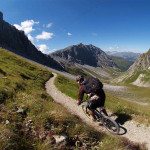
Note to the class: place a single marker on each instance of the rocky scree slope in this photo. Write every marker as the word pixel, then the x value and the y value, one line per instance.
pixel 17 42
pixel 83 54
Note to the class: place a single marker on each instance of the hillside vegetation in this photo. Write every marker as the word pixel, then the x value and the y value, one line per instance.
pixel 122 63
pixel 29 118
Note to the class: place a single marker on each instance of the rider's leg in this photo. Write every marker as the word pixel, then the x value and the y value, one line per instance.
pixel 93 115
pixel 103 110
pixel 91 109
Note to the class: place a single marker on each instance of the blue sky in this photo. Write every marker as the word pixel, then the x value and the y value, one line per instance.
pixel 122 25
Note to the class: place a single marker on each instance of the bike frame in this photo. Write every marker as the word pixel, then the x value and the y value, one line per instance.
pixel 98 113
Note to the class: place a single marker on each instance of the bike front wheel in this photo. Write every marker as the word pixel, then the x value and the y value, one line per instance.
pixel 86 111
pixel 111 125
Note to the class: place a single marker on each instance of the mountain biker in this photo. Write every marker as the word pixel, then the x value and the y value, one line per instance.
pixel 96 98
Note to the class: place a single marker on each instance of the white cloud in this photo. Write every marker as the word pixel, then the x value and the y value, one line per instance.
pixel 26 26
pixel 119 48
pixel 18 26
pixel 43 48
pixel 115 48
pixel 44 36
pixel 110 48
pixel 53 50
pixel 69 34
pixel 31 38
pixel 49 25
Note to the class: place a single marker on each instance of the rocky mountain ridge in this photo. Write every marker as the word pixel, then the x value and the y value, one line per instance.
pixel 142 63
pixel 17 42
pixel 84 54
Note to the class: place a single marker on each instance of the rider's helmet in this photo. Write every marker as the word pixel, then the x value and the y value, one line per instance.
pixel 80 78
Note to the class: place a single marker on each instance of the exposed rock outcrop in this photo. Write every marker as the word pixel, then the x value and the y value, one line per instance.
pixel 17 42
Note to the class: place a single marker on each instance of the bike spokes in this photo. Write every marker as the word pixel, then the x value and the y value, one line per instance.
pixel 111 125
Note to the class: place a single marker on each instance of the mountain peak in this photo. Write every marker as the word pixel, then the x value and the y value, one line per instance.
pixel 84 54
pixel 80 44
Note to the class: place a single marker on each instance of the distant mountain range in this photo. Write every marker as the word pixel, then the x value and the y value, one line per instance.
pixel 84 55
pixel 17 42
pixel 129 56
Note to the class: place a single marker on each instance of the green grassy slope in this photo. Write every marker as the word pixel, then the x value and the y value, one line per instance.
pixel 115 104
pixel 29 117
pixel 122 64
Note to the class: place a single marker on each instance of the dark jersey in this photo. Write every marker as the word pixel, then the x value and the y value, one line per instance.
pixel 82 91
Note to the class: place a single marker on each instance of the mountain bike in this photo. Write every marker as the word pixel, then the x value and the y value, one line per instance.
pixel 110 124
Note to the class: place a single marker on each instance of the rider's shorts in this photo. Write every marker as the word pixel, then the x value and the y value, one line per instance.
pixel 95 102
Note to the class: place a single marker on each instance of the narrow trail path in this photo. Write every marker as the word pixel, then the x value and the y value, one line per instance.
pixel 135 132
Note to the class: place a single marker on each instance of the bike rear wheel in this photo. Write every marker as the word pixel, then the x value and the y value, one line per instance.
pixel 111 125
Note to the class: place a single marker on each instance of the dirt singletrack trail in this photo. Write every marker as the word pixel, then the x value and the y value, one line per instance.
pixel 135 132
